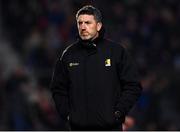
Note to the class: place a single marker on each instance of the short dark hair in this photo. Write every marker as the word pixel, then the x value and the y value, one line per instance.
pixel 90 10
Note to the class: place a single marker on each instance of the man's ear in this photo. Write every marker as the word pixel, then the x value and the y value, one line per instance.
pixel 99 25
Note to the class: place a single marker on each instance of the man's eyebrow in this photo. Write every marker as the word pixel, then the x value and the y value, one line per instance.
pixel 83 21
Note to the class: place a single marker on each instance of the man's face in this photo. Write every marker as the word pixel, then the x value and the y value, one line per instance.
pixel 88 27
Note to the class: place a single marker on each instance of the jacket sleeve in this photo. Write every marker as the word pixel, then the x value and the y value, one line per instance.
pixel 59 89
pixel 130 85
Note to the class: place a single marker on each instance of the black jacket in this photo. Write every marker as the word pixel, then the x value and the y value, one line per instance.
pixel 91 81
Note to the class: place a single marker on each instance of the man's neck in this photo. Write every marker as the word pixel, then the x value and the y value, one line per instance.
pixel 96 36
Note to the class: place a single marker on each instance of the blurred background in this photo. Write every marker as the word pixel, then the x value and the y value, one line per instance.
pixel 32 31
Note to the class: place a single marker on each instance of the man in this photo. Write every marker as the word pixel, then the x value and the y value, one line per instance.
pixel 94 83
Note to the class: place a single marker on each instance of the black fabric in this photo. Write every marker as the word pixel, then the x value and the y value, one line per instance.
pixel 91 83
pixel 117 127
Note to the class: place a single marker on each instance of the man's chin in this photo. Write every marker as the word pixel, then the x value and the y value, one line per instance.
pixel 86 39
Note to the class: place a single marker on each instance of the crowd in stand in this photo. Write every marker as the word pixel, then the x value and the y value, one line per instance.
pixel 37 29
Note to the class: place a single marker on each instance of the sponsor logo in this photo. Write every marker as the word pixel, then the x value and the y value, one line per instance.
pixel 73 64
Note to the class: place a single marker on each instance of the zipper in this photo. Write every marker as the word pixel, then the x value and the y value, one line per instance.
pixel 85 80
pixel 85 88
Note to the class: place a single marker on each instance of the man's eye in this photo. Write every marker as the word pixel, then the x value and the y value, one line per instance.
pixel 79 23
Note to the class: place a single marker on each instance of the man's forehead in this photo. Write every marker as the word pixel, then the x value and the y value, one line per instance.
pixel 85 17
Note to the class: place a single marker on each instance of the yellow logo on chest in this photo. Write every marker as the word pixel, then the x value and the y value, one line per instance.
pixel 108 62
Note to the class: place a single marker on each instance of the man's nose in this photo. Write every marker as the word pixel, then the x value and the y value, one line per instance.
pixel 83 26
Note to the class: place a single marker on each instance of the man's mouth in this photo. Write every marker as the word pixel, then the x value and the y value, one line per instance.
pixel 84 33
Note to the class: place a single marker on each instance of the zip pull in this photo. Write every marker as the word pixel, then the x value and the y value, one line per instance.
pixel 94 45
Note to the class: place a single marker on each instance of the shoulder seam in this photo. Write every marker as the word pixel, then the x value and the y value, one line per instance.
pixel 64 51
